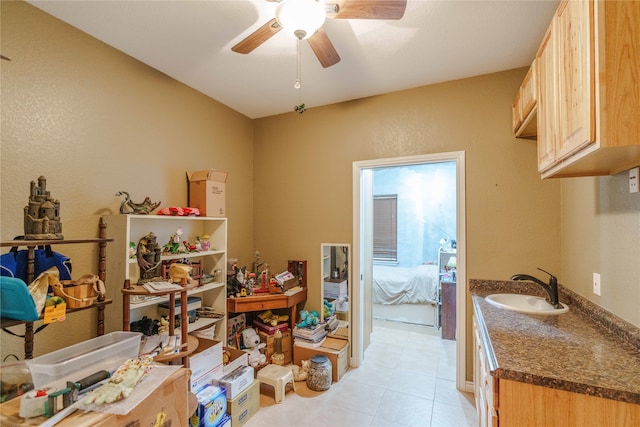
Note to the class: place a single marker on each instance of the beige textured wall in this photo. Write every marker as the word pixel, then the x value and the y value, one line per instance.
pixel 94 121
pixel 303 167
pixel 601 234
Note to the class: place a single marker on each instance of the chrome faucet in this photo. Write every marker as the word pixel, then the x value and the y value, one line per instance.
pixel 551 288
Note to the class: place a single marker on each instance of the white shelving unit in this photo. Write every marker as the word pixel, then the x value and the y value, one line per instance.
pixel 126 229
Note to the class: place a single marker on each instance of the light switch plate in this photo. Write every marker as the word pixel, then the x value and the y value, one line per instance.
pixel 633 180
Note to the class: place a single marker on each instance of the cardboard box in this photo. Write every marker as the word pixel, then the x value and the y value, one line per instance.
pixel 207 357
pixel 244 405
pixel 207 192
pixel 335 289
pixel 336 350
pixel 206 378
pixel 169 398
pixel 270 348
pixel 237 381
pixel 238 358
pixel 270 330
pixel 212 407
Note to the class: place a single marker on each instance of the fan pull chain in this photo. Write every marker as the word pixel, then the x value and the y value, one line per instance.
pixel 299 67
pixel 298 85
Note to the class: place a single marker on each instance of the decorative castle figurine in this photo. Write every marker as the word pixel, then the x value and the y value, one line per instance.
pixel 42 214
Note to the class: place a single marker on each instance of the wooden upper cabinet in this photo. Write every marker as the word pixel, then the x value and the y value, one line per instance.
pixel 524 108
pixel 575 88
pixel 547 117
pixel 588 84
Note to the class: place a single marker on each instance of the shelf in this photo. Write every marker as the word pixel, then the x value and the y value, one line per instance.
pixel 184 255
pixel 5 323
pixel 128 229
pixel 202 322
pixel 11 243
pixel 162 298
pixel 31 245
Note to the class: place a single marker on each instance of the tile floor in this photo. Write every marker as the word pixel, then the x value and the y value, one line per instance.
pixel 407 379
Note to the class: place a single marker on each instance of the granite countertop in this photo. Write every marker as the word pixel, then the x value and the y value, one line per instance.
pixel 586 350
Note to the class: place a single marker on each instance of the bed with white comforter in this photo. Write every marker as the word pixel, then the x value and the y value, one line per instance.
pixel 406 294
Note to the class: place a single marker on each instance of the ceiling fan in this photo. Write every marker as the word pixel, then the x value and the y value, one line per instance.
pixel 303 19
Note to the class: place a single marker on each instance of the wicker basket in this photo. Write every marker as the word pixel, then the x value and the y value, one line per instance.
pixel 76 296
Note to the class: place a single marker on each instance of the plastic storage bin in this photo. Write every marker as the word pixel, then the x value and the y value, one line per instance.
pixel 106 352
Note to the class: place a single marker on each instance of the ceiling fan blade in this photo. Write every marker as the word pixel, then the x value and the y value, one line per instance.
pixel 258 37
pixel 366 9
pixel 323 48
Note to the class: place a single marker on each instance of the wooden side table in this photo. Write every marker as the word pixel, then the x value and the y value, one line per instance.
pixel 448 290
pixel 261 302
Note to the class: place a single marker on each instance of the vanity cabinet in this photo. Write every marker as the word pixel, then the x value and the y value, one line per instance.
pixel 485 387
pixel 588 89
pixel 127 230
pixel 509 403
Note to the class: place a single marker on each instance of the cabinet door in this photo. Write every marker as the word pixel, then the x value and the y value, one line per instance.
pixel 529 91
pixel 546 102
pixel 576 84
pixel 524 107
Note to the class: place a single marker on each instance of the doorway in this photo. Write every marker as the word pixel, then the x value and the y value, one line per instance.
pixel 362 316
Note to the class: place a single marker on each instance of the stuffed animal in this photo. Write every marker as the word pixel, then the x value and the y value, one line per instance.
pixel 256 358
pixel 250 338
pixel 300 373
pixel 329 308
pixel 308 319
pixel 269 318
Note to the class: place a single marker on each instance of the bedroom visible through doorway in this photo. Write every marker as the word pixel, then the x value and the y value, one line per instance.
pixel 414 239
pixel 408 238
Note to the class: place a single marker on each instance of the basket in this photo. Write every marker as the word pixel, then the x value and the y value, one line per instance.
pixel 75 295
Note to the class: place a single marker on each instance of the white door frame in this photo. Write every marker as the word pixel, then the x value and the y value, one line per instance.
pixel 357 302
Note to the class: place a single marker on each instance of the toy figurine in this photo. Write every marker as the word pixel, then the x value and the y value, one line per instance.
pixel 148 256
pixel 129 207
pixel 308 319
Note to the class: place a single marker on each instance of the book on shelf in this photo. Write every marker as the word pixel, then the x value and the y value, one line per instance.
pixel 301 342
pixel 161 286
pixel 313 334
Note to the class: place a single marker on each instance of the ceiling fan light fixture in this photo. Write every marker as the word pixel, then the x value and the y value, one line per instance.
pixel 300 18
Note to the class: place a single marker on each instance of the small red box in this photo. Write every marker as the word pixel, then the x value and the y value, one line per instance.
pixel 268 329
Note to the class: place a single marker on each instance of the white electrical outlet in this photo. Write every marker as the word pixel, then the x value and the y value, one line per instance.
pixel 633 180
pixel 596 283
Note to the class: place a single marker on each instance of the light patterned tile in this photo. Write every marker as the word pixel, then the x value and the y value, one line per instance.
pixel 352 395
pixel 446 392
pixel 370 373
pixel 407 379
pixel 404 409
pixel 425 362
pixel 445 415
pixel 413 381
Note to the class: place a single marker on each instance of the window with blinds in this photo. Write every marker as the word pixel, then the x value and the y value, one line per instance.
pixel 385 228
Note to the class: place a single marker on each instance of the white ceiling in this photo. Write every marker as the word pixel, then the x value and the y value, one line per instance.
pixel 435 41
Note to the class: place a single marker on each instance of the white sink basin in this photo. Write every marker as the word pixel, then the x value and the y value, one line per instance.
pixel 525 304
